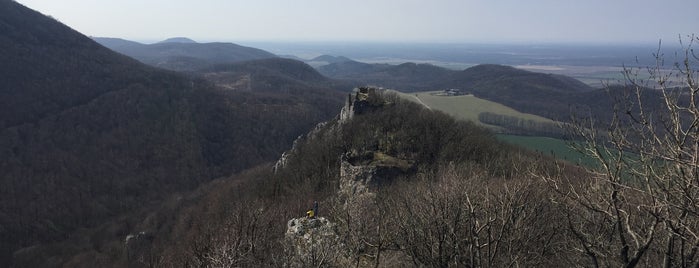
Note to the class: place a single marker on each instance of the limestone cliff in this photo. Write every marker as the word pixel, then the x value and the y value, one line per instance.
pixel 312 242
pixel 318 242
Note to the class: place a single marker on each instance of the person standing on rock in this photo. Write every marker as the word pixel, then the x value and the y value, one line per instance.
pixel 315 208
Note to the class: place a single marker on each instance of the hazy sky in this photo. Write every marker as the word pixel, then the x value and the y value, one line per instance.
pixel 530 21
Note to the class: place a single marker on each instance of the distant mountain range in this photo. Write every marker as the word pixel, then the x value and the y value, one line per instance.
pixel 183 54
pixel 548 95
pixel 91 140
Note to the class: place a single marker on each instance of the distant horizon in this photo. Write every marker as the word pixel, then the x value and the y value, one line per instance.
pixel 665 43
pixel 382 21
pixel 459 55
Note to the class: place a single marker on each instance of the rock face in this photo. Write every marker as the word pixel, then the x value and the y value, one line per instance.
pixel 305 227
pixel 310 135
pixel 312 243
pixel 316 242
pixel 356 103
pixel 138 248
pixel 355 180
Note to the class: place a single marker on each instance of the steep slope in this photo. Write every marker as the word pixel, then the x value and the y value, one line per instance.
pixel 115 43
pixel 377 172
pixel 88 136
pixel 185 56
pixel 34 78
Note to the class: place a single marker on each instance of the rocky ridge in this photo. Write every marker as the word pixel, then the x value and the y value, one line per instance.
pixel 314 241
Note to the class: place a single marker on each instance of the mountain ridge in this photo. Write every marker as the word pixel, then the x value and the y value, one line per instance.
pixel 380 148
pixel 184 56
pixel 89 136
pixel 547 95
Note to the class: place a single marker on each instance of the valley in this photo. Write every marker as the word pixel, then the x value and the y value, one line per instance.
pixel 179 153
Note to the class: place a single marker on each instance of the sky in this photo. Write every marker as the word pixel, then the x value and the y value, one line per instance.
pixel 423 21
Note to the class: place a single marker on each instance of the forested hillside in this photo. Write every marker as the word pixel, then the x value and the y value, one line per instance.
pixel 109 162
pixel 184 56
pixel 548 95
pixel 87 135
pixel 425 166
pixel 401 185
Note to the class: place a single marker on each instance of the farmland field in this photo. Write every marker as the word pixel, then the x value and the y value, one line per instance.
pixel 467 107
pixel 550 146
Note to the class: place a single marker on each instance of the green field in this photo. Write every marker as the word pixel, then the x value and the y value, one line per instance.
pixel 467 107
pixel 550 146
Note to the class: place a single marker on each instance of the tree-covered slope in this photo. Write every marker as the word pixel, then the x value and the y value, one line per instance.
pixel 184 56
pixel 419 166
pixel 87 135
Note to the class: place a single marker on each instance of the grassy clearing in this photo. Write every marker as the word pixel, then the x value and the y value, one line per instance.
pixel 555 147
pixel 467 107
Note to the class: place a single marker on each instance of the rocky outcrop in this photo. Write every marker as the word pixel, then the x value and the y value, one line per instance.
pixel 138 247
pixel 307 227
pixel 310 135
pixel 312 243
pixel 316 242
pixel 357 102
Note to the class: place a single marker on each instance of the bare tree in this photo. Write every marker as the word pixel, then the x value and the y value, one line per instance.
pixel 464 217
pixel 640 204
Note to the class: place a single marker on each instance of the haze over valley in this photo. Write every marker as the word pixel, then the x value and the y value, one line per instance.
pixel 337 134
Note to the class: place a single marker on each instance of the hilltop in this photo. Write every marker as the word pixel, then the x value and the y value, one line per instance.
pixel 184 55
pixel 179 40
pixel 331 59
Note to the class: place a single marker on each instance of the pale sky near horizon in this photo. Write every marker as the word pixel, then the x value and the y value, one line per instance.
pixel 441 21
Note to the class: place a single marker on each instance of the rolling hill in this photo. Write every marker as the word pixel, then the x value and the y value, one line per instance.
pixel 275 74
pixel 351 70
pixel 547 95
pixel 89 137
pixel 330 59
pixel 179 40
pixel 184 54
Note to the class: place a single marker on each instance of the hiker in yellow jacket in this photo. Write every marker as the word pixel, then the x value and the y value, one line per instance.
pixel 313 213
